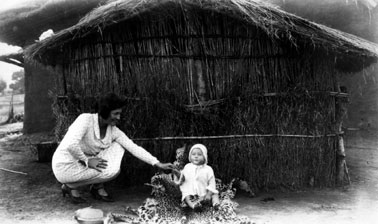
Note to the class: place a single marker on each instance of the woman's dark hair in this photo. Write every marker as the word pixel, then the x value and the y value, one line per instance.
pixel 109 102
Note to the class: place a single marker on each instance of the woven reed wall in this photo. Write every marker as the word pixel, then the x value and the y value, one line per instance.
pixel 197 73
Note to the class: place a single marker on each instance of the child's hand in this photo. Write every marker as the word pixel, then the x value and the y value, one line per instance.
pixel 208 197
pixel 205 200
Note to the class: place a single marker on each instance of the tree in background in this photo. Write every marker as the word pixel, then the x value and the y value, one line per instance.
pixel 19 82
pixel 3 86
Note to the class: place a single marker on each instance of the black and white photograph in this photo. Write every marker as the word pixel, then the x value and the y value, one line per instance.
pixel 188 111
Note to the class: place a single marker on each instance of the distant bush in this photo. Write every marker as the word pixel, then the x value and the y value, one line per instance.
pixel 17 118
pixel 19 82
pixel 5 104
pixel 3 86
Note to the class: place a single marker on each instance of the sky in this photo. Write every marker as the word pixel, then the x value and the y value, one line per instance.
pixel 6 69
pixel 9 4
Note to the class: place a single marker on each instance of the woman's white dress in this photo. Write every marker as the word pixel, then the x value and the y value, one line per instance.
pixel 83 141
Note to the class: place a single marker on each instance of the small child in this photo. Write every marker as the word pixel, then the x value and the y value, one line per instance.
pixel 197 179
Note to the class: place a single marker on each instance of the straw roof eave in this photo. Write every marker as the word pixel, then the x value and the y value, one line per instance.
pixel 13 58
pixel 275 22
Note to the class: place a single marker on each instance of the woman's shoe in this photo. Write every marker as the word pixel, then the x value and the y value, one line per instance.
pixel 74 199
pixel 96 195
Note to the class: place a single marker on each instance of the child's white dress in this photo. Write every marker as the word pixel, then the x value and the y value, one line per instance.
pixel 198 179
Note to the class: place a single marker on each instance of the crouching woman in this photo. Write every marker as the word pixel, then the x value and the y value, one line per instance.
pixel 92 149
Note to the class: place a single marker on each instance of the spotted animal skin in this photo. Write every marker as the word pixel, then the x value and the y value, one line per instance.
pixel 165 205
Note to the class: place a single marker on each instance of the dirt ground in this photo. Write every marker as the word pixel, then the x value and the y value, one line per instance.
pixel 34 196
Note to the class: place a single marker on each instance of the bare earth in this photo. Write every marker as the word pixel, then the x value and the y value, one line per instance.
pixel 36 197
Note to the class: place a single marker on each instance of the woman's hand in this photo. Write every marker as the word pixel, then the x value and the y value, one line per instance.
pixel 164 166
pixel 97 163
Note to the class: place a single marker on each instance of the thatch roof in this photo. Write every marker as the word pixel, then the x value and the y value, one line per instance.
pixel 13 58
pixel 22 26
pixel 275 22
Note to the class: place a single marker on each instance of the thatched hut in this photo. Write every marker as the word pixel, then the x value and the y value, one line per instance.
pixel 257 85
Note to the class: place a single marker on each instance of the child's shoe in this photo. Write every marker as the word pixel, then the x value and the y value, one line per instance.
pixel 197 207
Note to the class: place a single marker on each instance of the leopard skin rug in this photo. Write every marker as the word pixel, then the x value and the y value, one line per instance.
pixel 165 205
